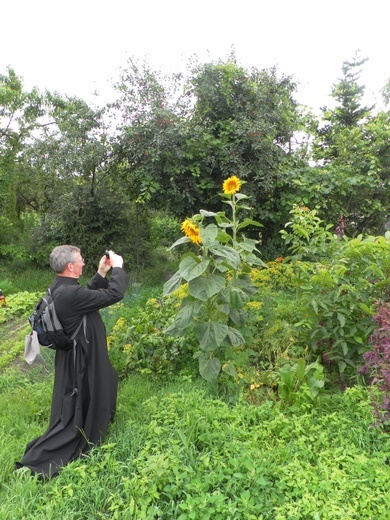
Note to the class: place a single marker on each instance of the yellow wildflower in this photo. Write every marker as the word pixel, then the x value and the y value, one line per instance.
pixel 191 231
pixel 255 305
pixel 152 302
pixel 120 324
pixel 231 185
pixel 128 348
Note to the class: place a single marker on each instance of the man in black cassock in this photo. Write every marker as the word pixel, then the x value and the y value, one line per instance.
pixel 85 382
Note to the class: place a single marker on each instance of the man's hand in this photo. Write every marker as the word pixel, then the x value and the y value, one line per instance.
pixel 105 263
pixel 116 260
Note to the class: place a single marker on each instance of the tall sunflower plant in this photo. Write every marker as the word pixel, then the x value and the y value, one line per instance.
pixel 219 286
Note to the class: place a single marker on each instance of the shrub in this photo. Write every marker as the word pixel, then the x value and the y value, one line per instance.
pixel 138 343
pixel 337 294
pixel 18 304
pixel 377 361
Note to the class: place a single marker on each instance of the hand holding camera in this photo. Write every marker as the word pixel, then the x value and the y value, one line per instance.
pixel 114 259
pixel 110 259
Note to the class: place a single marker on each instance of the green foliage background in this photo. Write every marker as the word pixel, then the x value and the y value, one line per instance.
pixel 289 433
pixel 99 177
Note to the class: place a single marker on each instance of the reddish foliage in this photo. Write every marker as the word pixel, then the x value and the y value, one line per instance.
pixel 377 360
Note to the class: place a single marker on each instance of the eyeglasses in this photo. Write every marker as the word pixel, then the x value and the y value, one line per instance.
pixel 82 261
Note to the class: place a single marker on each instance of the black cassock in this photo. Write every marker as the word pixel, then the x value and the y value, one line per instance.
pixel 79 419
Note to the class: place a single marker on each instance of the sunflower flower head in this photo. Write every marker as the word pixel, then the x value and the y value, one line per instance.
pixel 191 231
pixel 231 185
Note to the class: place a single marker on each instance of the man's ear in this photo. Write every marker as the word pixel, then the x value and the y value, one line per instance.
pixel 69 267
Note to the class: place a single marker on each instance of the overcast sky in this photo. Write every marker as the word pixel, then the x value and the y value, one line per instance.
pixel 77 46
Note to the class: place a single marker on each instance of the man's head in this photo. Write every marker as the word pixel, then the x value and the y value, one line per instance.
pixel 67 261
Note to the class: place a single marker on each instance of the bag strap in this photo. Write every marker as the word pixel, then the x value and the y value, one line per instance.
pixel 39 308
pixel 58 290
pixel 83 323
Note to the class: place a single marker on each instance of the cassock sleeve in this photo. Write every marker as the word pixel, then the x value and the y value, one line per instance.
pixel 103 293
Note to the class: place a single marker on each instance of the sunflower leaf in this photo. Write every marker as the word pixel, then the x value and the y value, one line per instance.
pixel 182 240
pixel 172 284
pixel 191 268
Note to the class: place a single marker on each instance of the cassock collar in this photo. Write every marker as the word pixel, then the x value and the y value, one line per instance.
pixel 63 280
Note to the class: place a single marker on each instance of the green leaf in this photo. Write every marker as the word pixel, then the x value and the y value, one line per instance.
pixel 248 244
pixel 342 366
pixel 189 309
pixel 251 260
pixel 241 196
pixel 248 222
pixel 182 240
pixel 223 237
pixel 191 267
pixel 235 337
pixel 245 283
pixel 221 218
pixel 208 213
pixel 238 317
pixel 226 225
pixel 234 296
pixel 174 330
pixel 300 369
pixel 204 287
pixel 341 319
pixel 365 308
pixel 210 334
pixel 229 254
pixel 243 206
pixel 209 234
pixel 172 284
pixel 230 369
pixel 209 368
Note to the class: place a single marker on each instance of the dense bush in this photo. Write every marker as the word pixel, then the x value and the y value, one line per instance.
pixel 377 362
pixel 337 293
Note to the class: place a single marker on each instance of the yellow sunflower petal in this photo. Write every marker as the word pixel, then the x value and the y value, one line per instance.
pixel 231 185
pixel 191 231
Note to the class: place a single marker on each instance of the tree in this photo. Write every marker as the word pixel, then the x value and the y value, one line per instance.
pixel 70 162
pixel 348 180
pixel 181 137
pixel 348 94
pixel 20 114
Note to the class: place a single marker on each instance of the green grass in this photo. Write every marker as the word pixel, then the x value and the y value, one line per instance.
pixel 175 452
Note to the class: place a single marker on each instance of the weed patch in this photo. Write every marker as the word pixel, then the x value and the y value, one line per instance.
pixel 175 451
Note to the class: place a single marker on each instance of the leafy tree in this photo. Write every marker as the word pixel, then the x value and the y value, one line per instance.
pixel 348 94
pixel 180 137
pixel 349 178
pixel 20 114
pixel 243 123
pixel 151 137
pixel 70 160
